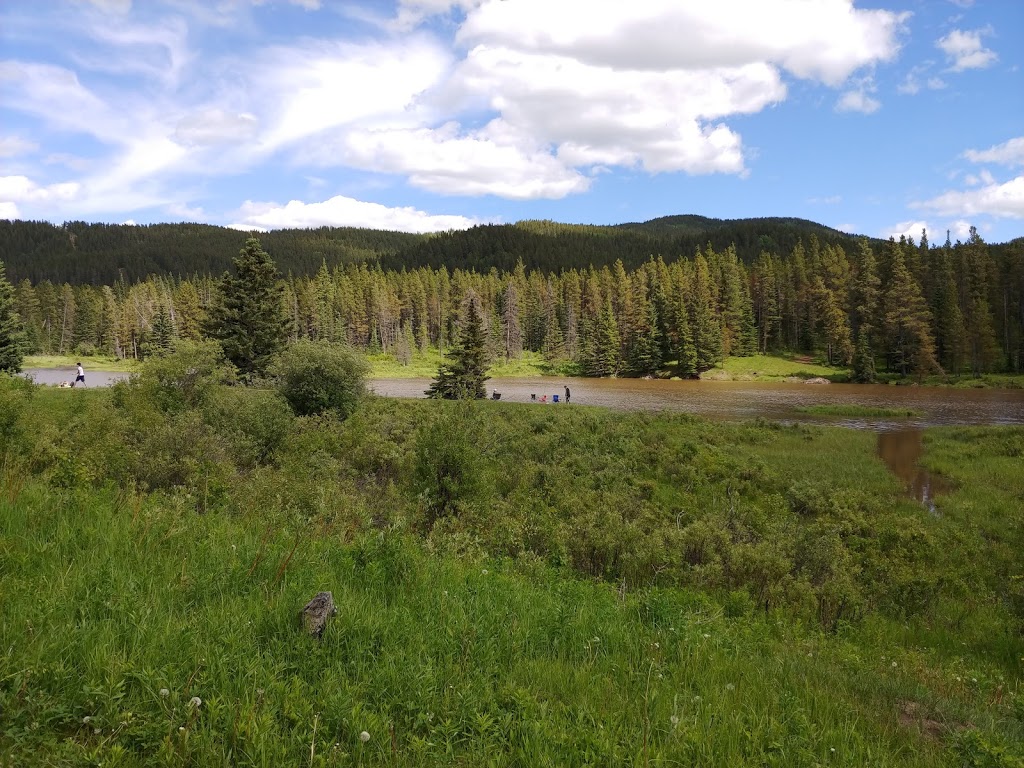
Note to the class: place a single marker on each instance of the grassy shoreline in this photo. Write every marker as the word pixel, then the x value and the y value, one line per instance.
pixel 424 365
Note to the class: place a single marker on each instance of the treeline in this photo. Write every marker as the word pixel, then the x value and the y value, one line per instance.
pixel 909 307
pixel 101 254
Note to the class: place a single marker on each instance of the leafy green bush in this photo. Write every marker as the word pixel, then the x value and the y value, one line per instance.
pixel 253 422
pixel 449 470
pixel 15 392
pixel 179 380
pixel 316 377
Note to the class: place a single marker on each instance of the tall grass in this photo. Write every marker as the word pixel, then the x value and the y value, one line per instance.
pixel 580 587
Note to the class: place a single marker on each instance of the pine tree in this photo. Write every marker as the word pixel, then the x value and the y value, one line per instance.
pixel 908 323
pixel 462 377
pixel 248 316
pixel 603 359
pixel 706 327
pixel 13 341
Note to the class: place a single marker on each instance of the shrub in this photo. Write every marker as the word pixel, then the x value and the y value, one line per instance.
pixel 179 380
pixel 253 422
pixel 15 392
pixel 316 377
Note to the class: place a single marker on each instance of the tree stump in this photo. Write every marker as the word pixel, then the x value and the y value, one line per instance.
pixel 317 612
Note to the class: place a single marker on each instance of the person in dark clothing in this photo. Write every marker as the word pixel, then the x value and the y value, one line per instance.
pixel 566 394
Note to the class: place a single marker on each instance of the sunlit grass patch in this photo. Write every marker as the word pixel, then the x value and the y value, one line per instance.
pixel 773 367
pixel 93 362
pixel 853 410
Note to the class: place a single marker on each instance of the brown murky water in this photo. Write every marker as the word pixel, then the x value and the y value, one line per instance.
pixel 740 400
pixel 901 450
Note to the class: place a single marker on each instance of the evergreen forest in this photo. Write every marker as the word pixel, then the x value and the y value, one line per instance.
pixel 673 296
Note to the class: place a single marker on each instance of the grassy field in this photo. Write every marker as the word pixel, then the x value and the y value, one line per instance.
pixel 572 587
pixel 94 362
pixel 773 368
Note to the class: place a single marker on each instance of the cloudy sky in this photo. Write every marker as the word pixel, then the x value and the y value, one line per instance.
pixel 872 116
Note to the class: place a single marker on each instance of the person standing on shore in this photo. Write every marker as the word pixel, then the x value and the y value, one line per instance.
pixel 567 395
pixel 80 377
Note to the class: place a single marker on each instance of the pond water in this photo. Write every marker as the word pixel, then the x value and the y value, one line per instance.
pixel 67 375
pixel 740 400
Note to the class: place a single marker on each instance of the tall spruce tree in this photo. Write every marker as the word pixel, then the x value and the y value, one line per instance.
pixel 907 322
pixel 13 341
pixel 248 316
pixel 462 377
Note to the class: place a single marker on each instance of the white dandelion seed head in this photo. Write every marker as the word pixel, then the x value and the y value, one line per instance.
pixel 86 720
pixel 195 702
pixel 164 693
pixel 364 737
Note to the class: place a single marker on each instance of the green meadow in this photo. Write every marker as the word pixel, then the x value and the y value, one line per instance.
pixel 515 587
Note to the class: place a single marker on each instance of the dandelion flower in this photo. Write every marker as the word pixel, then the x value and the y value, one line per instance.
pixel 730 687
pixel 181 729
pixel 894 665
pixel 484 571
pixel 195 702
pixel 164 693
pixel 97 731
pixel 364 737
pixel 86 720
pixel 674 719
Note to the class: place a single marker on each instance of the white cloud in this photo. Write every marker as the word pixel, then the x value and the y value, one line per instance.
pixel 483 163
pixel 999 200
pixel 212 126
pixel 598 115
pixel 9 211
pixel 983 177
pixel 321 87
pixel 343 212
pixel 1008 153
pixel 158 50
pixel 906 229
pixel 965 49
pixel 55 95
pixel 829 200
pixel 13 146
pixel 826 40
pixel 857 101
pixel 960 229
pixel 23 189
pixel 912 82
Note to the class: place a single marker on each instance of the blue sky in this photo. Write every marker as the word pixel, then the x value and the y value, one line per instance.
pixel 877 117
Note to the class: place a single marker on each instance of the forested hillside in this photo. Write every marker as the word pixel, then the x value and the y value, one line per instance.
pixel 99 254
pixel 905 307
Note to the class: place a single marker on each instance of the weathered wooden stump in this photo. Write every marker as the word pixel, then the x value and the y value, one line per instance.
pixel 317 612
